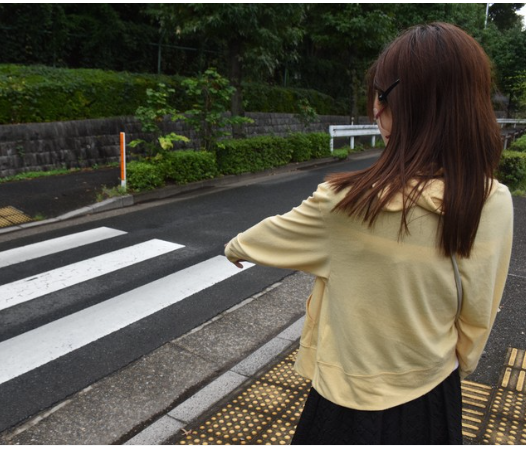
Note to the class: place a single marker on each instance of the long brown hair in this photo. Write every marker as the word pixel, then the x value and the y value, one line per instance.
pixel 443 125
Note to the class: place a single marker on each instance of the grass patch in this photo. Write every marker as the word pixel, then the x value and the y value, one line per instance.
pixel 38 174
pixel 110 192
pixel 55 172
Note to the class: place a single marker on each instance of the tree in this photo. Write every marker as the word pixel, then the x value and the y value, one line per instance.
pixel 507 50
pixel 210 94
pixel 468 16
pixel 352 33
pixel 504 15
pixel 33 33
pixel 249 33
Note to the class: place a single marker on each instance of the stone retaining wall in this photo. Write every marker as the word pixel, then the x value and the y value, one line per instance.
pixel 87 143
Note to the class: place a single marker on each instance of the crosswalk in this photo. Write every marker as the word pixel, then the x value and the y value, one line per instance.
pixel 39 346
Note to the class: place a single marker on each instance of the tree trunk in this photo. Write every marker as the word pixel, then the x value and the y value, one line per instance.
pixel 352 96
pixel 235 49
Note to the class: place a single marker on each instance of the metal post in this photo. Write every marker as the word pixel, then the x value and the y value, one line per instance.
pixel 123 160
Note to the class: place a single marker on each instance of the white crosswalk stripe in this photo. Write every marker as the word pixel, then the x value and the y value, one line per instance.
pixel 53 246
pixel 35 348
pixel 51 281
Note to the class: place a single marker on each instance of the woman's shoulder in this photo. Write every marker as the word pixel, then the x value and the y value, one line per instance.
pixel 327 193
pixel 500 193
pixel 499 203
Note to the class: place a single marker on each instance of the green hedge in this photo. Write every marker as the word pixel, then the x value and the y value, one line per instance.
pixel 512 169
pixel 143 175
pixel 179 167
pixel 261 98
pixel 519 144
pixel 183 167
pixel 45 94
pixel 231 157
pixel 252 155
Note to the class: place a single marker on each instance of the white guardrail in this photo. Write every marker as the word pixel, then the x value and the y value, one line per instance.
pixel 353 131
pixel 511 121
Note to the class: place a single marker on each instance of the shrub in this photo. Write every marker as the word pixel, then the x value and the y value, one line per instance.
pixel 341 153
pixel 262 98
pixel 183 167
pixel 142 175
pixel 512 168
pixel 252 155
pixel 46 94
pixel 300 146
pixel 320 144
pixel 519 144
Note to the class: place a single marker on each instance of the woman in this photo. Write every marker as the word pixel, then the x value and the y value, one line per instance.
pixel 382 342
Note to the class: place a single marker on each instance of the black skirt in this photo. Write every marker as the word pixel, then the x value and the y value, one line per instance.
pixel 435 418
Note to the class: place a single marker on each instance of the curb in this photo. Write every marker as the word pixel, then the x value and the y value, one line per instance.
pixel 169 425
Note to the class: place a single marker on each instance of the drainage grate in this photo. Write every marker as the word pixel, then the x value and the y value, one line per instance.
pixel 9 216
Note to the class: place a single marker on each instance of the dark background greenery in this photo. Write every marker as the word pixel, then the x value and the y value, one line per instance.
pixel 264 49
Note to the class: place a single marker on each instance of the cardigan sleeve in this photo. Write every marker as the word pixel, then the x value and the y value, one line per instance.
pixel 297 240
pixel 483 277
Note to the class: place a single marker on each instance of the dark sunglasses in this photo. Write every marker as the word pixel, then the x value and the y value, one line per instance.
pixel 383 96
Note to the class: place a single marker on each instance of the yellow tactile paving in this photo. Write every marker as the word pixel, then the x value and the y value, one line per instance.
pixel 475 400
pixel 10 216
pixel 268 410
pixel 506 420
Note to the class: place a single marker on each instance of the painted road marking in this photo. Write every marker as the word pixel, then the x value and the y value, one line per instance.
pixel 52 246
pixel 37 347
pixel 51 281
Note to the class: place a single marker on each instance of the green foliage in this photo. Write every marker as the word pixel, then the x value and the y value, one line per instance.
pixel 210 94
pixel 151 117
pixel 320 145
pixel 306 113
pixel 261 153
pixel 519 144
pixel 321 46
pixel 504 15
pixel 179 167
pixel 183 167
pixel 111 192
pixel 512 169
pixel 37 174
pixel 252 155
pixel 96 35
pixel 44 94
pixel 507 50
pixel 255 36
pixel 341 153
pixel 262 98
pixel 301 147
pixel 143 175
pixel 157 107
